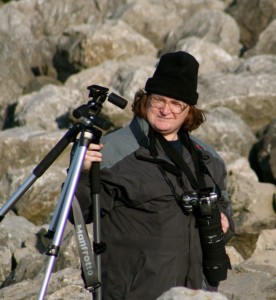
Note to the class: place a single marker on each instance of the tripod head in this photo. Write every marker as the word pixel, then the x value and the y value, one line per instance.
pixel 88 114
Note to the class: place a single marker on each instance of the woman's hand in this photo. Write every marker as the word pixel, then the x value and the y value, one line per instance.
pixel 224 222
pixel 93 154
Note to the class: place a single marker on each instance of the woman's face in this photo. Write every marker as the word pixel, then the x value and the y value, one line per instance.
pixel 166 115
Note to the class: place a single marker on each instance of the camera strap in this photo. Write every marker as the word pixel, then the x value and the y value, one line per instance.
pixel 197 182
pixel 88 264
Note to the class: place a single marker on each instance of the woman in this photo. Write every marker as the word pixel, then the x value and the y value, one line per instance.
pixel 148 169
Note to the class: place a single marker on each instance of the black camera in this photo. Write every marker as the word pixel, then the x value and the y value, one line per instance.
pixel 206 200
pixel 204 206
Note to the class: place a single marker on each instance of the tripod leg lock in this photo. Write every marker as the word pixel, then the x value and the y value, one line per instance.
pixel 92 289
pixel 99 248
pixel 53 250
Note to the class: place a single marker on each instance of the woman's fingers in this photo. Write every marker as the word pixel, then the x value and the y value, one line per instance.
pixel 224 222
pixel 93 154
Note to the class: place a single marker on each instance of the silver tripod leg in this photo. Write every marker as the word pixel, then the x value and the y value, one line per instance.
pixel 55 218
pixel 66 199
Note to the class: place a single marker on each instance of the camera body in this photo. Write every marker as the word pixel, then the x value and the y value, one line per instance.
pixel 206 201
pixel 203 205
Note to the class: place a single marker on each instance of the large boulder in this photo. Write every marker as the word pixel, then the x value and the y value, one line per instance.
pixel 85 46
pixel 251 199
pixel 266 42
pixel 210 25
pixel 260 269
pixel 263 154
pixel 225 131
pixel 211 57
pixel 244 93
pixel 253 16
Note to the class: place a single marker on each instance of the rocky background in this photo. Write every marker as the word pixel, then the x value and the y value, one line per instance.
pixel 51 51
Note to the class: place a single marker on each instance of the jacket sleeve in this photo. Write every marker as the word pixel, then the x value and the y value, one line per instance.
pixel 224 204
pixel 85 198
pixel 217 170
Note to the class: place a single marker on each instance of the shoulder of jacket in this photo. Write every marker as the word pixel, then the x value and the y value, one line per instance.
pixel 118 144
pixel 206 148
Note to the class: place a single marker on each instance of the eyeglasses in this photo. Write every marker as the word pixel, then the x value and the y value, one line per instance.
pixel 176 106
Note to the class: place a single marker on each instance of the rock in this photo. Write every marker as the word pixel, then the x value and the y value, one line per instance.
pixel 15 75
pixel 260 269
pixel 38 82
pixel 181 293
pixel 6 262
pixel 264 255
pixel 210 25
pixel 114 40
pixel 16 233
pixel 262 156
pixel 39 202
pixel 251 200
pixel 226 131
pixel 244 93
pixel 266 42
pixel 65 283
pixel 136 15
pixel 235 257
pixel 28 146
pixel 263 63
pixel 253 17
pixel 212 58
pixel 51 101
pixel 239 285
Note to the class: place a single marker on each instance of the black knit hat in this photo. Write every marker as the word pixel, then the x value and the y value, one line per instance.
pixel 175 77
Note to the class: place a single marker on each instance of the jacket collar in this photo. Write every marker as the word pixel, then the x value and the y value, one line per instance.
pixel 140 129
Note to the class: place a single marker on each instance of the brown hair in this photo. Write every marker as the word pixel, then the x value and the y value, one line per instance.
pixel 193 120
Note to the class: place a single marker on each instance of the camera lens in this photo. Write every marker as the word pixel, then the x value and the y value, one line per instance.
pixel 215 260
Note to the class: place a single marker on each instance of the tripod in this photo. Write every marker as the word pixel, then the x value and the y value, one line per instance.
pixel 87 116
